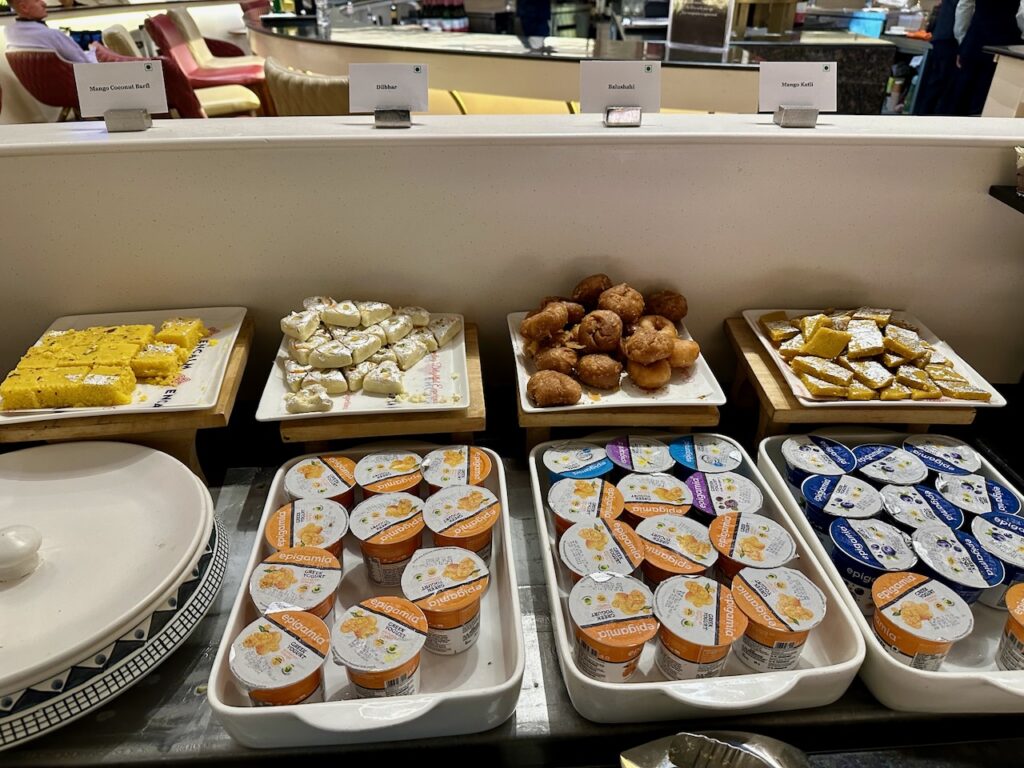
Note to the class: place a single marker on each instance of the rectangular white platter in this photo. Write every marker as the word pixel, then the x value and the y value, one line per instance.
pixel 466 693
pixel 696 386
pixel 441 378
pixel 828 664
pixel 969 680
pixel 807 399
pixel 198 385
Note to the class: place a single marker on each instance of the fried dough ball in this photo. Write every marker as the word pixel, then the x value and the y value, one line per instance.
pixel 600 371
pixel 600 331
pixel 558 359
pixel 669 304
pixel 576 311
pixel 651 376
pixel 544 323
pixel 589 289
pixel 658 323
pixel 548 388
pixel 684 353
pixel 647 346
pixel 624 301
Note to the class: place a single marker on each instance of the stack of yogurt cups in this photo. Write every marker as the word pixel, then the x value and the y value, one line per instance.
pixel 664 542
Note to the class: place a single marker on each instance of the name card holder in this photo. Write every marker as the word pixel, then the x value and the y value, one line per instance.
pixel 795 117
pixel 126 94
pixel 126 120
pixel 392 118
pixel 623 117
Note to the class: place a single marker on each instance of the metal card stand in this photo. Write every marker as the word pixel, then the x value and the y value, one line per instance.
pixel 392 118
pixel 124 120
pixel 796 117
pixel 623 117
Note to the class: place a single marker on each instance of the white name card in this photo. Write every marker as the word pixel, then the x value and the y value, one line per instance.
pixel 797 84
pixel 120 85
pixel 387 86
pixel 606 84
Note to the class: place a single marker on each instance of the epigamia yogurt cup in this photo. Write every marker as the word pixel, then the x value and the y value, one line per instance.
pixel 389 527
pixel 456 465
pixel 1010 654
pixel 322 477
pixel 958 560
pixel 913 506
pixel 601 546
pixel 279 658
pixel 977 495
pixel 887 464
pixel 308 523
pixel 644 455
pixel 463 516
pixel 749 541
pixel 943 454
pixel 722 492
pixel 389 472
pixel 705 453
pixel 829 497
pixel 1003 536
pixel 299 578
pixel 865 549
pixel 654 494
pixel 815 455
pixel 447 584
pixel 674 546
pixel 573 501
pixel 576 460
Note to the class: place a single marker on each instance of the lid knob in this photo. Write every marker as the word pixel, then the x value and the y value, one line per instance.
pixel 19 551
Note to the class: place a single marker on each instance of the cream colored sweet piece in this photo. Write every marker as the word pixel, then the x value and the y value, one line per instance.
pixel 300 325
pixel 344 314
pixel 880 317
pixel 419 316
pixel 409 352
pixel 317 303
pixel 362 345
pixel 312 399
pixel 424 337
pixel 385 354
pixel 385 379
pixel 338 332
pixel 294 373
pixel 396 327
pixel 371 312
pixel 870 373
pixel 841 319
pixel 791 348
pixel 865 340
pixel 332 354
pixel 822 369
pixel 355 374
pixel 332 380
pixel 299 351
pixel 445 328
pixel 912 377
pixel 378 331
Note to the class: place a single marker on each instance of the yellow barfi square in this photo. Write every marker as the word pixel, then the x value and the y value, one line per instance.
pixel 820 388
pixel 157 361
pixel 903 342
pixel 58 388
pixel 822 369
pixel 963 391
pixel 137 334
pixel 182 331
pixel 945 373
pixel 912 377
pixel 20 390
pixel 870 373
pixel 116 353
pixel 779 330
pixel 826 342
pixel 865 340
pixel 791 348
pixel 879 317
pixel 891 360
pixel 811 323
pixel 857 391
pixel 895 391
pixel 106 385
pixel 931 392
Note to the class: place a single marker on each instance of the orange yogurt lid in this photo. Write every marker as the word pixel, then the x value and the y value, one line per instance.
pixel 456 465
pixel 445 579
pixel 279 650
pixel 307 523
pixel 461 511
pixel 299 578
pixel 677 544
pixel 699 610
pixel 752 540
pixel 1015 602
pixel 601 546
pixel 379 634
pixel 389 471
pixel 613 611
pixel 389 518
pixel 779 599
pixel 575 500
pixel 647 495
pixel 320 477
pixel 916 609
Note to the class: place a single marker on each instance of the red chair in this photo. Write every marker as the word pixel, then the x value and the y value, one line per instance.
pixel 48 78
pixel 219 101
pixel 253 9
pixel 171 43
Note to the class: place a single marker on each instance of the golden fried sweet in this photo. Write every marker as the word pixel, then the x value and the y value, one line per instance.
pixel 668 304
pixel 540 325
pixel 559 359
pixel 600 331
pixel 624 301
pixel 684 352
pixel 647 346
pixel 658 323
pixel 549 388
pixel 600 371
pixel 576 310
pixel 651 376
pixel 589 289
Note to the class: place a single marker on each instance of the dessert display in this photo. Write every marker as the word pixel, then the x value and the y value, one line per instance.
pixel 867 354
pixel 602 336
pixel 334 348
pixel 100 365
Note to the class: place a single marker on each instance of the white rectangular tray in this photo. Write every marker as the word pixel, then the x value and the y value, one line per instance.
pixel 809 400
pixel 198 385
pixel 442 378
pixel 696 386
pixel 466 693
pixel 829 662
pixel 968 680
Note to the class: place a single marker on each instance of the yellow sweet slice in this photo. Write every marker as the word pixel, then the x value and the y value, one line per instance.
pixel 116 353
pixel 104 385
pixel 865 340
pixel 870 373
pixel 821 369
pixel 879 317
pixel 890 360
pixel 182 331
pixel 840 320
pixel 137 334
pixel 826 342
pixel 857 391
pixel 156 361
pixel 930 393
pixel 819 388
pixel 809 324
pixel 913 377
pixel 923 360
pixel 895 391
pixel 58 388
pixel 19 390
pixel 779 330
pixel 962 391
pixel 945 373
pixel 791 348
pixel 903 342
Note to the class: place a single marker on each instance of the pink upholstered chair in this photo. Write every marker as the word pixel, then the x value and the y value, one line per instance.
pixel 48 78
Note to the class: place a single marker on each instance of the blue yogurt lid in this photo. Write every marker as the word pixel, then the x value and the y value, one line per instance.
pixel 957 557
pixel 842 496
pixel 874 544
pixel 706 453
pixel 889 464
pixel 918 505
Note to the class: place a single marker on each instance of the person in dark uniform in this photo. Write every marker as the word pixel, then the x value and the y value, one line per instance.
pixel 980 23
pixel 940 69
pixel 535 17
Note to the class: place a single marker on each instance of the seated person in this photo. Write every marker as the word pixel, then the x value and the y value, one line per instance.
pixel 30 31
